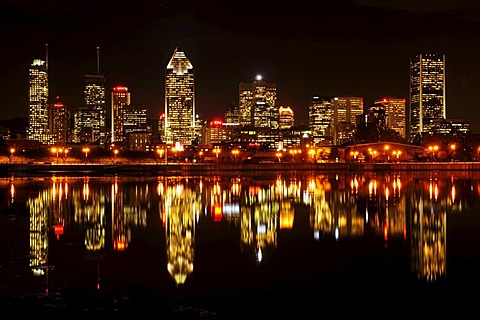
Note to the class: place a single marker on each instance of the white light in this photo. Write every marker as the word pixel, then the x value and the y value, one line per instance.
pixel 258 77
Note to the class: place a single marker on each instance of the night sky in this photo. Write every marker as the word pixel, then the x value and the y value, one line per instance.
pixel 359 48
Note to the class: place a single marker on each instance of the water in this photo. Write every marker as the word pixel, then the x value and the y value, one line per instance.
pixel 260 245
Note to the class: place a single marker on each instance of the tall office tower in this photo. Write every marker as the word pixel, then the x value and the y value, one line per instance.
pixel 134 119
pixel 38 122
pixel 120 100
pixel 82 125
pixel 95 104
pixel 286 117
pixel 427 93
pixel 320 120
pixel 179 100
pixel 161 126
pixel 232 114
pixel 395 113
pixel 59 123
pixel 256 102
pixel 344 117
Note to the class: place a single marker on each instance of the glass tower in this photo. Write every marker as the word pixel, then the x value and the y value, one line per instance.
pixel 95 105
pixel 257 102
pixel 38 121
pixel 179 100
pixel 120 100
pixel 427 93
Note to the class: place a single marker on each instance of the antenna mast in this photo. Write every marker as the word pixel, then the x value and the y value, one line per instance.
pixel 46 56
pixel 98 60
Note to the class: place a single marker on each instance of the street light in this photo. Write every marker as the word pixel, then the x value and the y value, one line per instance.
pixel 235 153
pixel 115 153
pixel 86 150
pixel 56 151
pixel 216 150
pixel 12 151
pixel 160 152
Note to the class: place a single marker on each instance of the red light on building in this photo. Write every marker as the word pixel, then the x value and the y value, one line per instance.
pixel 58 105
pixel 120 89
pixel 216 123
pixel 385 100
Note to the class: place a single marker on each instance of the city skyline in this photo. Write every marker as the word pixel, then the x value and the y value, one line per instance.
pixel 367 56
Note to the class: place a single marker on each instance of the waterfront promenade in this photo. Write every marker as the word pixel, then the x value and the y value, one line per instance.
pixel 154 168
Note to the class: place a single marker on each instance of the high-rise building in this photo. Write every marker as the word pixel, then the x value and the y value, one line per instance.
pixel 179 100
pixel 120 100
pixel 95 105
pixel 286 117
pixel 320 119
pixel 257 103
pixel 344 117
pixel 427 93
pixel 59 123
pixel 134 120
pixel 395 113
pixel 38 121
pixel 232 114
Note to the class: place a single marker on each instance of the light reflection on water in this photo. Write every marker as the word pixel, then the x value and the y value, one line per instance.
pixel 210 236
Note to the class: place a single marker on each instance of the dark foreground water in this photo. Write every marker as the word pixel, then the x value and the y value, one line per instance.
pixel 296 245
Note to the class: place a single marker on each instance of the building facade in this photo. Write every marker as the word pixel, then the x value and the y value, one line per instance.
pixel 95 107
pixel 320 120
pixel 179 100
pixel 344 117
pixel 38 95
pixel 286 118
pixel 257 103
pixel 59 123
pixel 427 93
pixel 120 101
pixel 395 114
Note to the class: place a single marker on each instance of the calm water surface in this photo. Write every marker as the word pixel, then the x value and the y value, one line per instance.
pixel 258 245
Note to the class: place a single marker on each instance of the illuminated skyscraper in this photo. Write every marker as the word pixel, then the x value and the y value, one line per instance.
pixel 95 105
pixel 38 122
pixel 344 113
pixel 179 100
pixel 257 103
pixel 120 100
pixel 427 93
pixel 59 117
pixel 320 119
pixel 286 117
pixel 395 113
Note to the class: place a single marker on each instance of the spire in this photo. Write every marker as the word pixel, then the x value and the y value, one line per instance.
pixel 98 60
pixel 46 56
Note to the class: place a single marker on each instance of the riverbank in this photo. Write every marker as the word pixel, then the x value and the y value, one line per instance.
pixel 23 169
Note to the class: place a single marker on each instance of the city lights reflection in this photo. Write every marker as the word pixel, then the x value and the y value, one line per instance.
pixel 109 211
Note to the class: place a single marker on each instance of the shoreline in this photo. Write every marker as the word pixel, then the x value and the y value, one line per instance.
pixel 8 169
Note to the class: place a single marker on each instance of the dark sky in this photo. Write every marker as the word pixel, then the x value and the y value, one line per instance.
pixel 359 48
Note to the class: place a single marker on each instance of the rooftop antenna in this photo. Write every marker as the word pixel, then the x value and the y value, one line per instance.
pixel 46 55
pixel 98 60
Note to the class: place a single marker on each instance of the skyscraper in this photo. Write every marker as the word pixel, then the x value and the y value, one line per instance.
pixel 427 93
pixel 179 100
pixel 395 113
pixel 95 104
pixel 286 117
pixel 320 119
pixel 38 121
pixel 257 103
pixel 60 120
pixel 344 117
pixel 120 100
